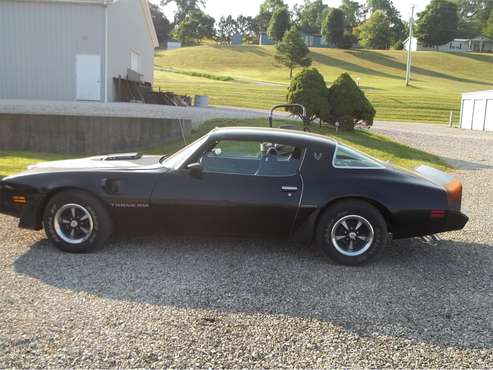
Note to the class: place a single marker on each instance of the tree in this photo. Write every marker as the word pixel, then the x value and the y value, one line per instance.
pixel 266 10
pixel 248 28
pixel 473 17
pixel 279 24
pixel 161 24
pixel 349 104
pixel 292 51
pixel 375 32
pixel 195 27
pixel 309 89
pixel 488 28
pixel 311 15
pixel 397 27
pixel 184 7
pixel 437 24
pixel 353 12
pixel 333 27
pixel 226 28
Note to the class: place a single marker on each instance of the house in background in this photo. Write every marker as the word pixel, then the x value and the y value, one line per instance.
pixel 264 39
pixel 477 45
pixel 237 39
pixel 312 40
pixel 73 49
pixel 173 44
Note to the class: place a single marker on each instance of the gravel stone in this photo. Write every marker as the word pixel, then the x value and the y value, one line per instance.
pixel 222 303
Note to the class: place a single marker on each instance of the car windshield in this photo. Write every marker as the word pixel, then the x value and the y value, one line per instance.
pixel 177 159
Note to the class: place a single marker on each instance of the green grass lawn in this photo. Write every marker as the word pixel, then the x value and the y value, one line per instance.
pixel 373 144
pixel 255 81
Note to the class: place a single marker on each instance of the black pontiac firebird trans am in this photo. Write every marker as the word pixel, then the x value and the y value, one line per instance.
pixel 239 181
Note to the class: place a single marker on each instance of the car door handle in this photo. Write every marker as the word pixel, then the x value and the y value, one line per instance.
pixel 290 189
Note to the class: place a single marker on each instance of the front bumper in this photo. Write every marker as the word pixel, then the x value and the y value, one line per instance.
pixel 29 213
pixel 7 207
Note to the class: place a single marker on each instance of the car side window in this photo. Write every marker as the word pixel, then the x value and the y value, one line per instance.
pixel 348 158
pixel 252 158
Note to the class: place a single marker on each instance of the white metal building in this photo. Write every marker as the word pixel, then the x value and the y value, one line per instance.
pixel 477 45
pixel 477 111
pixel 72 49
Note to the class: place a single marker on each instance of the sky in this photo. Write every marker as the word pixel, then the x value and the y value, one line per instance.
pixel 218 8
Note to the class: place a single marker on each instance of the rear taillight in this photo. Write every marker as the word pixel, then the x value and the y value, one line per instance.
pixel 438 214
pixel 454 192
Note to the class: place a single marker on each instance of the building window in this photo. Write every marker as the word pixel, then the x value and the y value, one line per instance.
pixel 134 61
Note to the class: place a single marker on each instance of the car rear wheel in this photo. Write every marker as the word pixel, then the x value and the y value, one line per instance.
pixel 352 232
pixel 76 222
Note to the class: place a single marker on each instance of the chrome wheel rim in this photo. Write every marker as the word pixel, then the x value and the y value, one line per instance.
pixel 352 235
pixel 73 224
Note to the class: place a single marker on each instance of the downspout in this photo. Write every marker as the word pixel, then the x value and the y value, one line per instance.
pixel 106 53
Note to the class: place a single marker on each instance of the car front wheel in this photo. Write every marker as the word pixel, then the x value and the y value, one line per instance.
pixel 76 222
pixel 352 232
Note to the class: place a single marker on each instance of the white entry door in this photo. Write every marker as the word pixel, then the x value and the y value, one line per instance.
pixel 88 77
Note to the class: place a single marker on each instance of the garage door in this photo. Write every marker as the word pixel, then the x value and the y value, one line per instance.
pixel 479 112
pixel 489 115
pixel 467 111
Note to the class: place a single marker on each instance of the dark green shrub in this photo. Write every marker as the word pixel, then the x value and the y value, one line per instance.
pixel 399 45
pixel 348 41
pixel 308 88
pixel 349 104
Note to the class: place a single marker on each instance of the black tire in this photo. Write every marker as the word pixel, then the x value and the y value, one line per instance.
pixel 90 215
pixel 358 245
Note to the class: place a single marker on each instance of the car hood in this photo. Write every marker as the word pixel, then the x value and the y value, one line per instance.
pixel 107 162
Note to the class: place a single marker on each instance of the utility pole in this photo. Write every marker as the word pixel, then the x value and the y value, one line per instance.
pixel 409 47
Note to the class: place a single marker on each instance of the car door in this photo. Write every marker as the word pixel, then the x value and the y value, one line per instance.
pixel 240 188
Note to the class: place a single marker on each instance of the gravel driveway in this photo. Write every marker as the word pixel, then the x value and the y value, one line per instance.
pixel 178 302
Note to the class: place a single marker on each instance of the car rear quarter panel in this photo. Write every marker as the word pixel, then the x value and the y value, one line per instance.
pixel 405 200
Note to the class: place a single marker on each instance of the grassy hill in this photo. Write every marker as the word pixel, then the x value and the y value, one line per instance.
pixel 247 76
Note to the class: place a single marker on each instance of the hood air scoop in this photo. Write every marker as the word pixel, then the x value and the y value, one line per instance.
pixel 122 157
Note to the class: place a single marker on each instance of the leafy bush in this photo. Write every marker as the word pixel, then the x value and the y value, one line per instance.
pixel 399 45
pixel 308 88
pixel 333 27
pixel 279 24
pixel 376 32
pixel 349 104
pixel 201 75
pixel 348 41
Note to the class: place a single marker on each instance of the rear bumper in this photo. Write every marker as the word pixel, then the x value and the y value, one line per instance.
pixel 420 223
pixel 455 220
